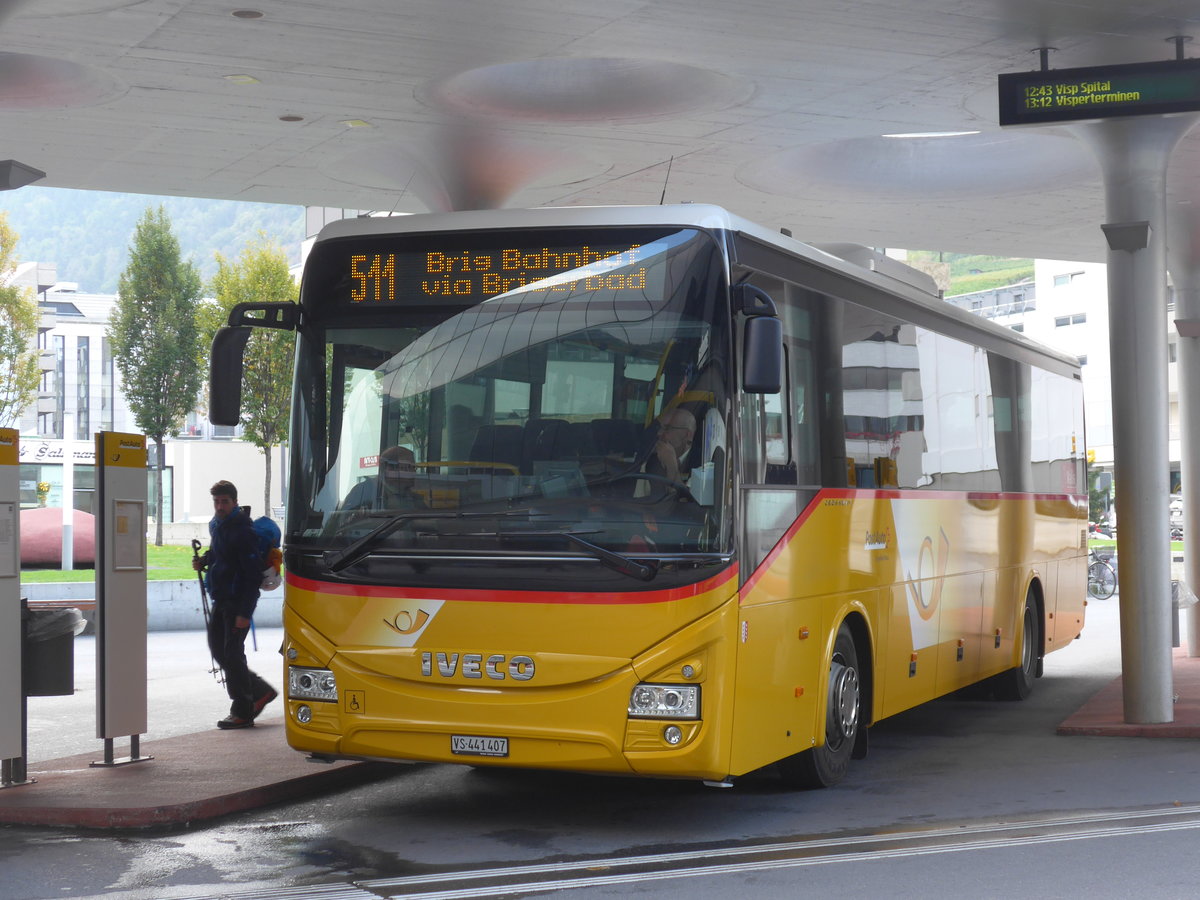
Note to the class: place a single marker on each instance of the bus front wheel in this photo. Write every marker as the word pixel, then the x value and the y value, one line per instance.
pixel 826 765
pixel 1017 682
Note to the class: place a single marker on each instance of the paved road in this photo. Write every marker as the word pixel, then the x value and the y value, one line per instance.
pixel 958 796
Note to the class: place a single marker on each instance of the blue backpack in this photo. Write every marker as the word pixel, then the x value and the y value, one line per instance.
pixel 268 533
pixel 269 539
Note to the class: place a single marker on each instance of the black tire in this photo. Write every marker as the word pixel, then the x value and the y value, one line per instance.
pixel 826 765
pixel 1102 581
pixel 1017 682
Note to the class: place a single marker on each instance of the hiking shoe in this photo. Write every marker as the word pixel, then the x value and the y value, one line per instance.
pixel 232 721
pixel 262 701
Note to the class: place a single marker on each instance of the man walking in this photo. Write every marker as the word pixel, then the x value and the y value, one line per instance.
pixel 234 573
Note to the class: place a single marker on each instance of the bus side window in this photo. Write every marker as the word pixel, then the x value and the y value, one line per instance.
pixel 777 431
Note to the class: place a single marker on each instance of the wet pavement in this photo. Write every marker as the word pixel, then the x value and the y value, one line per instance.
pixel 187 771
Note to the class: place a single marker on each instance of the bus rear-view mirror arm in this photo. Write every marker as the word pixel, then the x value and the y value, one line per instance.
pixel 229 348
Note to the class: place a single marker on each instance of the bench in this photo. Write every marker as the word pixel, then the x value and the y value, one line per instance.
pixel 81 605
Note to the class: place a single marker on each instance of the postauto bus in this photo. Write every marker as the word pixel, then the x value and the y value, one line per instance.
pixel 871 498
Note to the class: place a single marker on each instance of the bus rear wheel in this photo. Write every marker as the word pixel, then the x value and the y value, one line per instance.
pixel 1017 682
pixel 826 765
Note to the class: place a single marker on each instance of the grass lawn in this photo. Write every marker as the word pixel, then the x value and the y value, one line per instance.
pixel 166 563
pixel 1176 546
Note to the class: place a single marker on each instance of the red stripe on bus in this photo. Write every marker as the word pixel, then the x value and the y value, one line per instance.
pixel 909 494
pixel 465 595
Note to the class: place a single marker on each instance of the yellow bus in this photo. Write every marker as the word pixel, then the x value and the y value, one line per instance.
pixel 655 491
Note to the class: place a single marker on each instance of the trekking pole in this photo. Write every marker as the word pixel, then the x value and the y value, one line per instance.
pixel 215 670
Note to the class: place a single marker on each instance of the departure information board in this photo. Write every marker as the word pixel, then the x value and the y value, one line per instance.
pixel 1099 92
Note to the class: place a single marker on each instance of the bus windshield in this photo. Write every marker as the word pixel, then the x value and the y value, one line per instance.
pixel 513 393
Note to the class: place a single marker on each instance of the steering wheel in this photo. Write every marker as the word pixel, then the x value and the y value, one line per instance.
pixel 679 488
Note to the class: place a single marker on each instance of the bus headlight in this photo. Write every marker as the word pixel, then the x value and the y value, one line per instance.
pixel 311 684
pixel 665 701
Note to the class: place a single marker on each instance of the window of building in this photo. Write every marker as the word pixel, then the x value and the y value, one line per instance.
pixel 83 480
pixel 1076 319
pixel 106 385
pixel 60 384
pixel 83 392
pixel 1019 327
pixel 1082 360
pixel 1060 280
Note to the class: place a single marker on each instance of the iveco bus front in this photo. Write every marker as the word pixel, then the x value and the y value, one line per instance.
pixel 542 597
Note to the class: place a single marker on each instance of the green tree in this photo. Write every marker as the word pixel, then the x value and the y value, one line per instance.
pixel 19 371
pixel 154 336
pixel 260 274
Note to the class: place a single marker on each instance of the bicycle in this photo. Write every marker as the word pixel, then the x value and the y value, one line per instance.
pixel 1102 578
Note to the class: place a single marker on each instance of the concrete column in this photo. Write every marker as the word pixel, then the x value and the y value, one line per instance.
pixel 1183 260
pixel 1133 153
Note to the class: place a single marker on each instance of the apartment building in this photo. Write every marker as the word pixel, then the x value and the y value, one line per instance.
pixel 80 394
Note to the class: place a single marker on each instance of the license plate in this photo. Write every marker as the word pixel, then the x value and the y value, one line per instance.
pixel 469 745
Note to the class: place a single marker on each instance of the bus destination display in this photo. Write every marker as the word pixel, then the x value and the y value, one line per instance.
pixel 1099 92
pixel 469 276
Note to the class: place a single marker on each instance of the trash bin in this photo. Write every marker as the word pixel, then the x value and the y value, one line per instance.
pixel 1182 597
pixel 48 651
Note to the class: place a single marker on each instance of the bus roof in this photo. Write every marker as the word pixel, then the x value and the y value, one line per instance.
pixel 697 215
pixel 854 261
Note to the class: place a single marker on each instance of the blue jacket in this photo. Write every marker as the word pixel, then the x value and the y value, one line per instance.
pixel 234 564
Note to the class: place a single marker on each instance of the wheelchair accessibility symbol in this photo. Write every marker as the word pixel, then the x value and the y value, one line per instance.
pixel 355 702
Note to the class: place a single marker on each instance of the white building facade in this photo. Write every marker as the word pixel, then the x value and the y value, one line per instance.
pixel 80 394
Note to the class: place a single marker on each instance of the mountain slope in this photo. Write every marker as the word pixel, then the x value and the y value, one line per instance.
pixel 87 233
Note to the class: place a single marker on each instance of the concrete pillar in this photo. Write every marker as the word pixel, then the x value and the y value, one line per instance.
pixel 1133 153
pixel 1183 260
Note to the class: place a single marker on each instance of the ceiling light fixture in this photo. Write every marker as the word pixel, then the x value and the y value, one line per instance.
pixel 242 79
pixel 246 14
pixel 291 118
pixel 930 134
pixel 357 123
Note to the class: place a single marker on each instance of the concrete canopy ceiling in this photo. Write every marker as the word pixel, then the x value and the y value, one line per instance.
pixel 785 111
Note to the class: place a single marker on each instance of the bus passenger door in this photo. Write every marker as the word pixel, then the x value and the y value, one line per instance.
pixel 775 696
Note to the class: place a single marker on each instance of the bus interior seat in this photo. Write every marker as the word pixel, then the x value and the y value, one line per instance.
pixel 615 437
pixel 497 443
pixel 576 441
pixel 541 437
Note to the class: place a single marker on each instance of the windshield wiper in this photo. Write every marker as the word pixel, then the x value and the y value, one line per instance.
pixel 348 556
pixel 615 561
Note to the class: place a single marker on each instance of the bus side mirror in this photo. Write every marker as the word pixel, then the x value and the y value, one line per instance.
pixel 762 355
pixel 225 375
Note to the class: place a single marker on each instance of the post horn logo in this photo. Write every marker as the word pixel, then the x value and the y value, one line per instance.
pixel 405 622
pixel 927 606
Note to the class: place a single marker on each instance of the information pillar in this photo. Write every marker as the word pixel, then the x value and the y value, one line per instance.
pixel 120 591
pixel 12 705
